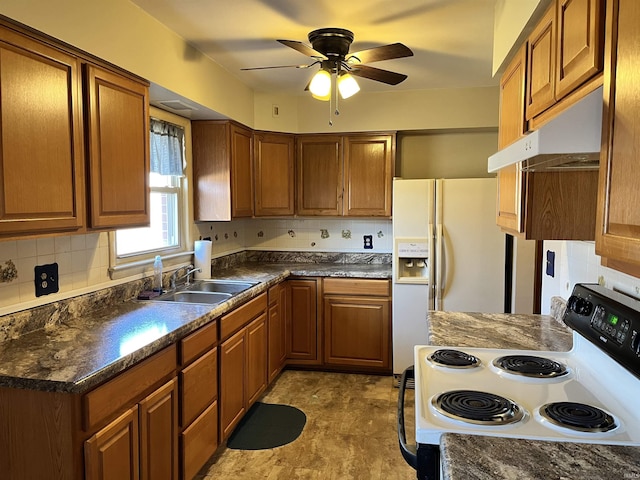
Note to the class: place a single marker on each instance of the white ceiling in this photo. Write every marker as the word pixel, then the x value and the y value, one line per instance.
pixel 452 40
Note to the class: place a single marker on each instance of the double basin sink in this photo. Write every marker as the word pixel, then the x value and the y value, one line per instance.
pixel 209 292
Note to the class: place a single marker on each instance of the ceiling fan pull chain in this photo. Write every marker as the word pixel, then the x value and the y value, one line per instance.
pixel 330 111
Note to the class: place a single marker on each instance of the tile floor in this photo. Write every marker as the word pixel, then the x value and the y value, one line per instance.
pixel 350 432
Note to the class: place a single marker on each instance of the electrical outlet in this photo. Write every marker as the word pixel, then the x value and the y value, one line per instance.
pixel 551 263
pixel 368 242
pixel 46 279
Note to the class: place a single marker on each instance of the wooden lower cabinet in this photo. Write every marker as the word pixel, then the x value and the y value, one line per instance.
pixel 139 444
pixel 276 322
pixel 243 361
pixel 232 374
pixel 113 453
pixel 357 331
pixel 303 326
pixel 357 323
pixel 199 441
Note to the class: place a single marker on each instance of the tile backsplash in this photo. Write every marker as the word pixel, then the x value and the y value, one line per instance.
pixel 83 260
pixel 577 262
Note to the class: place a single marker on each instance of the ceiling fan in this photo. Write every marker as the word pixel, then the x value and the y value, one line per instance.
pixel 330 49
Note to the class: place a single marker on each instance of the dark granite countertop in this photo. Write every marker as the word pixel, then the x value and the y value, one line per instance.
pixel 81 352
pixel 475 457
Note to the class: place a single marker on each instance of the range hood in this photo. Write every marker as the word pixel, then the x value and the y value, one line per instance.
pixel 570 141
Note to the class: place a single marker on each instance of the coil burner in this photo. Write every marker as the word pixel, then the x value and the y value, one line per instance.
pixel 454 359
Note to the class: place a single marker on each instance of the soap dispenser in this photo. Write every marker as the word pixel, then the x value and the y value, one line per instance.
pixel 157 274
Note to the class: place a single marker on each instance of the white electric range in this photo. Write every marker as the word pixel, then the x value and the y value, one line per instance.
pixel 588 394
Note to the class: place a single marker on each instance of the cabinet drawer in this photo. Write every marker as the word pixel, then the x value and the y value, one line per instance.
pixel 127 387
pixel 199 386
pixel 199 441
pixel 242 315
pixel 355 286
pixel 198 342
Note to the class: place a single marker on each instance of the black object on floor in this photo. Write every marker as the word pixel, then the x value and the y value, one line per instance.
pixel 267 425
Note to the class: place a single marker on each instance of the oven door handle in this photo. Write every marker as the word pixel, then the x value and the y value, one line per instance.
pixel 409 452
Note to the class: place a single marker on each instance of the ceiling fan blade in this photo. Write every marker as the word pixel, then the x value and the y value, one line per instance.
pixel 279 66
pixel 304 49
pixel 376 54
pixel 377 74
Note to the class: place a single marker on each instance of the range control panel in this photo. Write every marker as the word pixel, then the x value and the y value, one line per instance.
pixel 608 319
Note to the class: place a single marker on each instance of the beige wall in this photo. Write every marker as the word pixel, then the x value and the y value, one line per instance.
pixel 446 154
pixel 397 110
pixel 513 22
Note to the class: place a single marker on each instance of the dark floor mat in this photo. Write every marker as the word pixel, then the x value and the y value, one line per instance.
pixel 267 425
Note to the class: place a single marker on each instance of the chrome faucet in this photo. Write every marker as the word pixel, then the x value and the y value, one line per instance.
pixel 174 276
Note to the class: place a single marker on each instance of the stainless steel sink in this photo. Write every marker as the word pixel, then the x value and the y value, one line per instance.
pixel 188 296
pixel 210 292
pixel 221 286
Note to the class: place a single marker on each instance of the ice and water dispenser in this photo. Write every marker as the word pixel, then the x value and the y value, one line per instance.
pixel 411 260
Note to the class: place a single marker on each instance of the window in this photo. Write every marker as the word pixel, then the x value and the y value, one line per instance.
pixel 133 248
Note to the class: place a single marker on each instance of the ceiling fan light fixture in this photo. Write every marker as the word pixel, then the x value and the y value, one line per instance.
pixel 320 85
pixel 347 85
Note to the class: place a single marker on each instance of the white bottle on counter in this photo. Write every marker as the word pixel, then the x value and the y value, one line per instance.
pixel 157 274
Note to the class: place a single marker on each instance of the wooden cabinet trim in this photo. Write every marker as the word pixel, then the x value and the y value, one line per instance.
pixel 106 400
pixel 198 342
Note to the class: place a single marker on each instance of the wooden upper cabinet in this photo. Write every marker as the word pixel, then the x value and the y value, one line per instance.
pixel 368 167
pixel 274 178
pixel 541 67
pixel 41 150
pixel 512 126
pixel 580 43
pixel 241 171
pixel 222 170
pixel 118 149
pixel 618 216
pixel 319 175
pixel 565 54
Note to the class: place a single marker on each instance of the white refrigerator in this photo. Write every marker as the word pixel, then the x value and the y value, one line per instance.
pixel 448 254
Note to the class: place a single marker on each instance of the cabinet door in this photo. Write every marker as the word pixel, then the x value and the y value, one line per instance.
pixel 112 453
pixel 580 43
pixel 232 377
pixel 211 171
pixel 368 166
pixel 303 337
pixel 274 181
pixel 241 171
pixel 618 222
pixel 199 441
pixel 256 380
pixel 277 330
pixel 512 126
pixel 541 66
pixel 357 331
pixel 319 175
pixel 159 433
pixel 199 383
pixel 118 149
pixel 41 151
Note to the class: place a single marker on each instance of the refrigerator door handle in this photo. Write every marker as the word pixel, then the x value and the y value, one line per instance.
pixel 439 267
pixel 430 269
